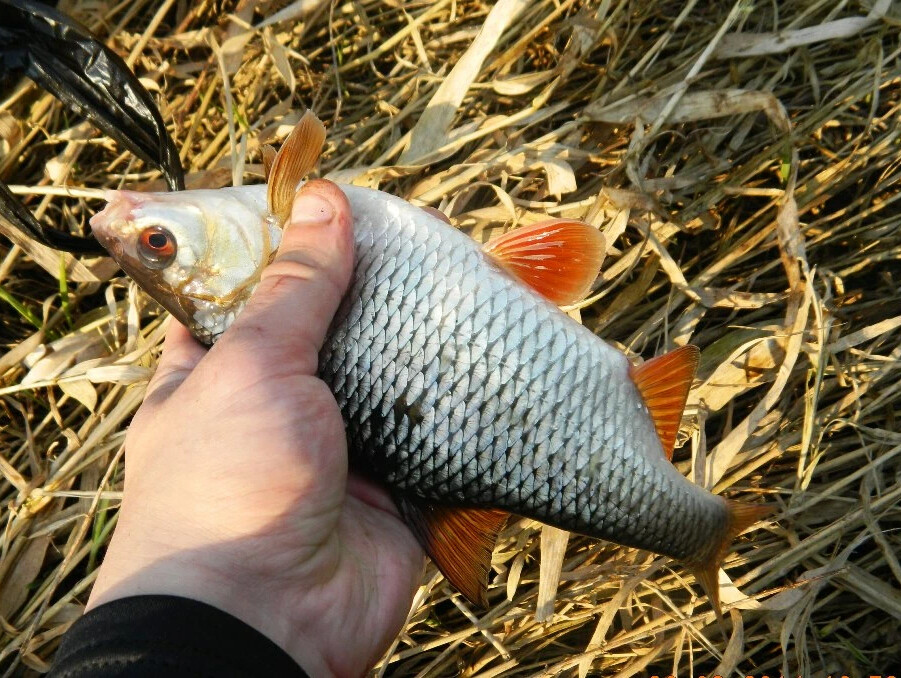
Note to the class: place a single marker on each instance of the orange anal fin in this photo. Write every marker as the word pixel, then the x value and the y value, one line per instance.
pixel 558 258
pixel 740 517
pixel 664 383
pixel 294 160
pixel 460 541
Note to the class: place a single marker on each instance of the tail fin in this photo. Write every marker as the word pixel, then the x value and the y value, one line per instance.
pixel 740 517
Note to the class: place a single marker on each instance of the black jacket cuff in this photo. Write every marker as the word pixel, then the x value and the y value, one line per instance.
pixel 167 636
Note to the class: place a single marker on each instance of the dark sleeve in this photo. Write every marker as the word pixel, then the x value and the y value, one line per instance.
pixel 167 636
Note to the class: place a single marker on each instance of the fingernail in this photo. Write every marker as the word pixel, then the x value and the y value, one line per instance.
pixel 311 210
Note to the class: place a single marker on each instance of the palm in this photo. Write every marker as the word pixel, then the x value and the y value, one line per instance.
pixel 356 563
pixel 237 491
pixel 340 565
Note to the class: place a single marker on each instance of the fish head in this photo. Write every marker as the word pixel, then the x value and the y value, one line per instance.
pixel 198 253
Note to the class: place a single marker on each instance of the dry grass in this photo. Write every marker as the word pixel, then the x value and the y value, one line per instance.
pixel 743 159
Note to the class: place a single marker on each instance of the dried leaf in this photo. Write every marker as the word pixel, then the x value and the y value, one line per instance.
pixel 14 587
pixel 758 44
pixel 298 9
pixel 553 549
pixel 82 391
pixel 10 133
pixel 58 356
pixel 431 131
pixel 700 105
pixel 520 84
pixel 119 374
pixel 280 59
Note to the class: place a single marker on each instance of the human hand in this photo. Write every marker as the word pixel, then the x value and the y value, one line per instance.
pixel 237 492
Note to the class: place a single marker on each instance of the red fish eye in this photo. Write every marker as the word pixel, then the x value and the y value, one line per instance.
pixel 156 247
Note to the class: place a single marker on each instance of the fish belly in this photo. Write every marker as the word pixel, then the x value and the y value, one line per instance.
pixel 460 386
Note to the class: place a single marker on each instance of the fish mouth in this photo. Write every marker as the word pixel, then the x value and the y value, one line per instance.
pixel 120 206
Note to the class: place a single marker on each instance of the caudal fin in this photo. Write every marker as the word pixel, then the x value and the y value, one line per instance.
pixel 706 571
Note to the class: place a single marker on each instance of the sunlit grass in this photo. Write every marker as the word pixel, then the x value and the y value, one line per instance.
pixel 750 196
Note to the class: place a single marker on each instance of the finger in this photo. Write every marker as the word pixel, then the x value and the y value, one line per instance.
pixel 299 292
pixel 370 494
pixel 181 353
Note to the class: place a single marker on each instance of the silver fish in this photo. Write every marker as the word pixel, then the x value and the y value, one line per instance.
pixel 464 391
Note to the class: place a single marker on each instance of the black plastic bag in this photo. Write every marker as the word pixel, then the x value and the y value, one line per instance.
pixel 62 57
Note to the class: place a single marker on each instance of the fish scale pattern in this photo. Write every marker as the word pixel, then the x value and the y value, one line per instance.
pixel 458 385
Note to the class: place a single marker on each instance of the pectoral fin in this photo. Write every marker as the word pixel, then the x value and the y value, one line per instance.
pixel 558 258
pixel 268 153
pixel 460 541
pixel 295 159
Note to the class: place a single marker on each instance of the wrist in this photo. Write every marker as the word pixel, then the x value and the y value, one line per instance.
pixel 140 566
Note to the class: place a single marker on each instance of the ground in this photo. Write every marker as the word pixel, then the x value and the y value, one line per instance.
pixel 743 160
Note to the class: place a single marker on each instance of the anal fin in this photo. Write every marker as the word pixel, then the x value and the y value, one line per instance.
pixel 558 258
pixel 460 541
pixel 664 383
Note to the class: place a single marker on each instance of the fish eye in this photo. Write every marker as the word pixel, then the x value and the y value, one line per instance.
pixel 156 247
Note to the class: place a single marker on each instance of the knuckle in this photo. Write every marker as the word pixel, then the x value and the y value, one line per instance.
pixel 328 190
pixel 302 268
pixel 294 264
pixel 241 341
pixel 253 350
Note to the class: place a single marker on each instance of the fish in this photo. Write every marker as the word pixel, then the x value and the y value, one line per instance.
pixel 464 389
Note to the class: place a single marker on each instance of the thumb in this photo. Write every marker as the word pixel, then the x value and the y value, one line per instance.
pixel 289 313
pixel 181 354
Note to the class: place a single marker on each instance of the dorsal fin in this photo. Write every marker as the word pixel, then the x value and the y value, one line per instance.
pixel 664 383
pixel 297 156
pixel 460 541
pixel 558 258
pixel 739 517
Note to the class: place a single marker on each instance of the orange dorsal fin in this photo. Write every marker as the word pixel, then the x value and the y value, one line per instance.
pixel 460 541
pixel 294 160
pixel 739 518
pixel 558 258
pixel 664 383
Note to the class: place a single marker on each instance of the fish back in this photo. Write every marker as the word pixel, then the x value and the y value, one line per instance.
pixel 459 385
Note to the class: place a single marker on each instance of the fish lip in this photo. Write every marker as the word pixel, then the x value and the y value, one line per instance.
pixel 119 207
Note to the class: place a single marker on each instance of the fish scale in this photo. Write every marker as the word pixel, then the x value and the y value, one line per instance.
pixel 488 396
